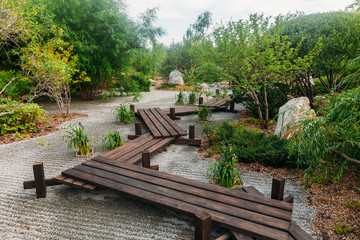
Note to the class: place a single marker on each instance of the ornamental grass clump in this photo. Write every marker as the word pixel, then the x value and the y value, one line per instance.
pixel 180 99
pixel 123 114
pixel 192 98
pixel 77 139
pixel 112 140
pixel 204 114
pixel 224 170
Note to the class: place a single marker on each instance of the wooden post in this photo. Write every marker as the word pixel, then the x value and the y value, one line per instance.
pixel 146 159
pixel 217 92
pixel 289 199
pixel 202 226
pixel 278 186
pixel 138 128
pixel 132 108
pixel 201 101
pixel 191 132
pixel 232 106
pixel 39 177
pixel 172 113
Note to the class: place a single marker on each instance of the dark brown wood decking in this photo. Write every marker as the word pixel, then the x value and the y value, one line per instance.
pixel 252 215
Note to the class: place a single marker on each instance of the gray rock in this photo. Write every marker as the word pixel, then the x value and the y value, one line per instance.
pixel 176 77
pixel 290 113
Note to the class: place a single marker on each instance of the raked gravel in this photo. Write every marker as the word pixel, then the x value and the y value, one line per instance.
pixel 68 213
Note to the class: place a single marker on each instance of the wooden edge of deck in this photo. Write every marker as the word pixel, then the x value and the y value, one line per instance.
pixel 48 182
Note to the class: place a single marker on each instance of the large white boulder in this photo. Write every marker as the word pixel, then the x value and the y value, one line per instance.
pixel 290 113
pixel 176 77
pixel 203 92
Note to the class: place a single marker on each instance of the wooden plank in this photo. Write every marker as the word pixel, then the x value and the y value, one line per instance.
pixel 39 176
pixel 127 146
pixel 48 182
pixel 78 184
pixel 166 125
pixel 183 141
pixel 252 190
pixel 202 226
pixel 244 226
pixel 298 233
pixel 126 152
pixel 227 205
pixel 154 131
pixel 160 145
pixel 200 185
pixel 69 181
pixel 155 121
pixel 89 187
pixel 137 150
pixel 59 178
pixel 226 236
pixel 172 123
pixel 239 236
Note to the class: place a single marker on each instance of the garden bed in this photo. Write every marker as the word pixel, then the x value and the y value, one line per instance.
pixel 50 124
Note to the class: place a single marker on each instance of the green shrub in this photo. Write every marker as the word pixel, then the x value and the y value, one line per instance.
pixel 249 145
pixel 123 114
pixel 192 98
pixel 180 99
pixel 77 139
pixel 224 171
pixel 18 88
pixel 277 96
pixel 204 114
pixel 342 228
pixel 112 140
pixel 22 119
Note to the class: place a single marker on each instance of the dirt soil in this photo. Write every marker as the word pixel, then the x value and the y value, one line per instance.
pixel 329 201
pixel 50 124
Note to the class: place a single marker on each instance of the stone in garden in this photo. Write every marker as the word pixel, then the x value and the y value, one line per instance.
pixel 291 112
pixel 176 77
pixel 204 89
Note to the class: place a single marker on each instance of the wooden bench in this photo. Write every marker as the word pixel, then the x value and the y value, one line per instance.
pixel 159 124
pixel 250 214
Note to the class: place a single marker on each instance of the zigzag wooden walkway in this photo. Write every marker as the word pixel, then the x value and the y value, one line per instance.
pixel 244 211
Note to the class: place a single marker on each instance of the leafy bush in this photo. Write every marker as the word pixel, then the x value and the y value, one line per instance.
pixel 277 96
pixel 192 98
pixel 204 113
pixel 18 88
pixel 329 143
pixel 77 139
pixel 123 114
pixel 249 145
pixel 112 140
pixel 22 119
pixel 180 99
pixel 224 171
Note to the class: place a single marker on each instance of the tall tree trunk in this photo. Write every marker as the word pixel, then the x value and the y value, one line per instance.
pixel 266 109
pixel 257 102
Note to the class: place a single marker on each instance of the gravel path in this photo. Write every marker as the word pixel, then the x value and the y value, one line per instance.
pixel 69 213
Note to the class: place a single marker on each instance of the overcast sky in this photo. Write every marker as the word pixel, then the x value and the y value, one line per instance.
pixel 175 16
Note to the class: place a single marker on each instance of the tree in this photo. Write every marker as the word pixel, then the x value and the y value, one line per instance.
pixel 339 35
pixel 41 55
pixel 102 35
pixel 146 29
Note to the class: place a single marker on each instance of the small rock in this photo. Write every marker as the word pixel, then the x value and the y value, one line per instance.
pixel 176 77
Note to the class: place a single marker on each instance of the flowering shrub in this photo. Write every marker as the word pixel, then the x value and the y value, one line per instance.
pixel 77 139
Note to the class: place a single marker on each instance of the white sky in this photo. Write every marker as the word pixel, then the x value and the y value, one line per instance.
pixel 175 16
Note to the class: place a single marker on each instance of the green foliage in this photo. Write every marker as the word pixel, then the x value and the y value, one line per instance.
pixel 192 98
pixel 180 99
pixel 77 139
pixel 329 143
pixel 204 114
pixel 339 34
pixel 112 140
pixel 22 119
pixel 276 97
pixel 224 171
pixel 342 228
pixel 356 205
pixel 18 89
pixel 123 114
pixel 249 145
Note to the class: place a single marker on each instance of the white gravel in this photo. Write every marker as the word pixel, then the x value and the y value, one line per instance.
pixel 69 213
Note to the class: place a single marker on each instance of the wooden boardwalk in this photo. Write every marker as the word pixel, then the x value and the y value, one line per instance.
pixel 252 215
pixel 245 212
